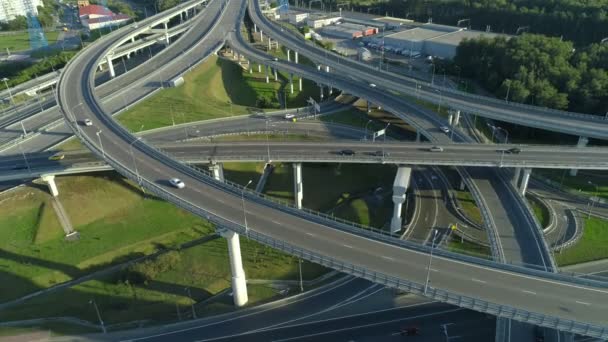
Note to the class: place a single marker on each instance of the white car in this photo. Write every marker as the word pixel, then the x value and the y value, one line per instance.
pixel 445 129
pixel 176 182
pixel 289 116
pixel 372 85
pixel 436 149
pixel 88 122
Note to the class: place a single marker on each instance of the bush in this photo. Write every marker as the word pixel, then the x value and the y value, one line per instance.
pixel 149 269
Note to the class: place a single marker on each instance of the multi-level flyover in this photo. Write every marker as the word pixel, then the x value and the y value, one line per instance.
pixel 507 291
pixel 531 116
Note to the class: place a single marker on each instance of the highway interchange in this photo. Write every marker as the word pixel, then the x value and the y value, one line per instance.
pixel 159 171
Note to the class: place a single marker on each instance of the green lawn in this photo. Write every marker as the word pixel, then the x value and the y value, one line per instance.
pixel 21 41
pixel 540 211
pixel 468 205
pixel 455 244
pixel 592 246
pixel 217 88
pixel 580 182
pixel 358 116
pixel 101 207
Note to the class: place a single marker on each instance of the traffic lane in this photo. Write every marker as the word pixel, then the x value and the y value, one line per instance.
pixel 382 326
pixel 266 316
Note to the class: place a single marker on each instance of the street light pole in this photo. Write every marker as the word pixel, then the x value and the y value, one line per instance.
pixel 103 327
pixel 192 302
pixel 243 199
pixel 365 138
pixel 10 95
pixel 428 270
pixel 301 282
pixel 100 144
pixel 133 157
pixel 592 199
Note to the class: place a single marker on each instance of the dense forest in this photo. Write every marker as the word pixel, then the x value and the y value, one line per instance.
pixel 538 70
pixel 581 21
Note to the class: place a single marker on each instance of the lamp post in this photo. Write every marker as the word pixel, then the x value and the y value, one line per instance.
pixel 301 282
pixel 192 302
pixel 428 270
pixel 10 95
pixel 133 156
pixel 365 137
pixel 72 112
pixel 384 140
pixel 506 133
pixel 27 164
pixel 103 327
pixel 592 199
pixel 433 75
pixel 100 144
pixel 243 199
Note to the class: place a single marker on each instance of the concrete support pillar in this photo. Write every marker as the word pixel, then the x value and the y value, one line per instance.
pixel 524 181
pixel 417 136
pixel 50 181
pixel 250 67
pixel 296 57
pixel 129 55
pixel 402 180
pixel 217 170
pixel 110 66
pixel 369 106
pixel 260 68
pixel 100 67
pixel 321 91
pixel 300 82
pixel 288 55
pixel 516 176
pixel 166 32
pixel 331 90
pixel 456 120
pixel 267 77
pixel 276 74
pixel 582 142
pixel 132 39
pixel 319 67
pixel 239 282
pixel 255 28
pixel 327 68
pixel 291 82
pixel 450 118
pixel 298 187
pixel 261 36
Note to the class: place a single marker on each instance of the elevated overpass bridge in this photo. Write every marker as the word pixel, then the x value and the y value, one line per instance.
pixel 559 302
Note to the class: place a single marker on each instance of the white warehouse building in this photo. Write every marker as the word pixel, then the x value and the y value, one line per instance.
pixel 9 9
pixel 432 39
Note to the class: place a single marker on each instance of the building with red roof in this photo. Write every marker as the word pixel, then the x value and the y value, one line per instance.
pixel 95 17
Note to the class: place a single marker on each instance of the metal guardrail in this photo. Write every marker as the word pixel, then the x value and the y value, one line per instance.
pixel 578 233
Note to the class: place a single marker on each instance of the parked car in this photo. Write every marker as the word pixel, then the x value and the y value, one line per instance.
pixel 176 182
pixel 436 149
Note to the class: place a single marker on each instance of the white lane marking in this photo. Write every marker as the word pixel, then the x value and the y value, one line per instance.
pixel 583 303
pixel 310 234
pixel 275 222
pixel 347 246
pixel 367 325
pixel 478 280
pixel 387 258
pixel 528 292
pixel 434 270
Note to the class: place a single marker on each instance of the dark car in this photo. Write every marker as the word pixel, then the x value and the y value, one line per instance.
pixel 347 153
pixel 379 154
pixel 410 331
pixel 19 167
pixel 513 150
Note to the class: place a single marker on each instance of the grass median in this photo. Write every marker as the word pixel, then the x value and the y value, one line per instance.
pixel 592 246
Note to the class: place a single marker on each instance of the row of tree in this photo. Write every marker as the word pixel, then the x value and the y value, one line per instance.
pixel 538 70
pixel 19 72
